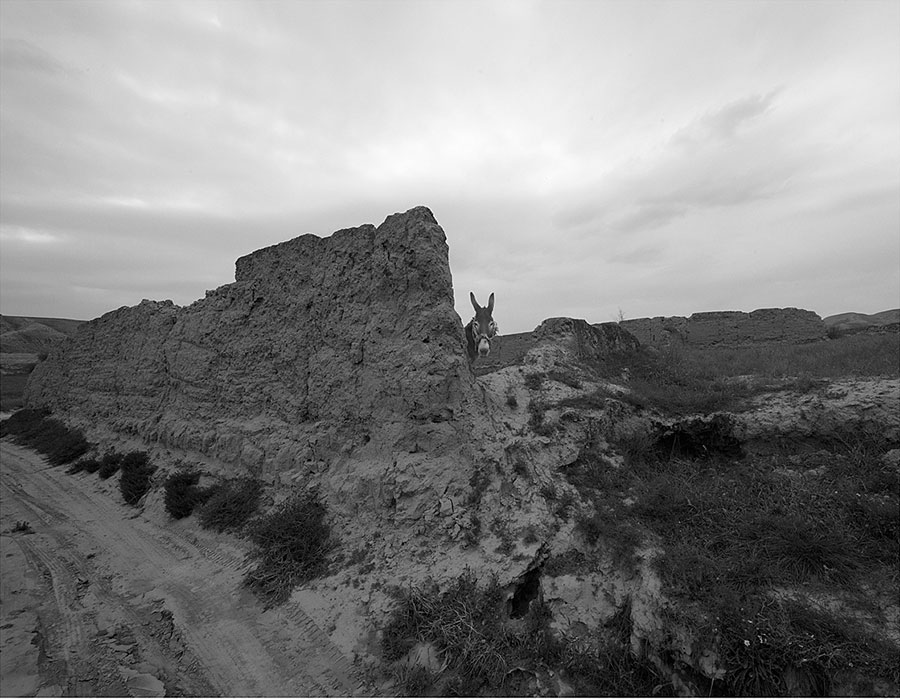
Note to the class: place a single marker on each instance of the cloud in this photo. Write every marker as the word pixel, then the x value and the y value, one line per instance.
pixel 723 123
pixel 653 157
pixel 714 161
pixel 21 55
pixel 10 234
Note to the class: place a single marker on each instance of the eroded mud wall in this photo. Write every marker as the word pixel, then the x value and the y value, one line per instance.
pixel 320 344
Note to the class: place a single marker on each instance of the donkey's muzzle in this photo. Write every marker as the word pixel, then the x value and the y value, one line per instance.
pixel 484 346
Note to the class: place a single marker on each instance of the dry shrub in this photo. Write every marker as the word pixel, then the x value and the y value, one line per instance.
pixel 293 542
pixel 110 464
pixel 182 494
pixel 91 466
pixel 134 481
pixel 35 429
pixel 230 504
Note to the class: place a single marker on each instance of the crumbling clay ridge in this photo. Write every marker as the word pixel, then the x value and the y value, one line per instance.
pixel 320 343
pixel 729 328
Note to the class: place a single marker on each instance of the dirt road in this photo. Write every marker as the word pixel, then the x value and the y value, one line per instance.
pixel 98 600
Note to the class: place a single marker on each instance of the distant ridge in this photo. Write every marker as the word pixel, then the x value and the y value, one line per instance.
pixel 17 323
pixel 852 321
pixel 33 334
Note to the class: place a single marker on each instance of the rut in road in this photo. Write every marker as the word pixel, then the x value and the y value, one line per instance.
pixel 222 625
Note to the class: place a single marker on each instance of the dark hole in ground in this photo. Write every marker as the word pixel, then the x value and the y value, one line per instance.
pixel 700 438
pixel 528 589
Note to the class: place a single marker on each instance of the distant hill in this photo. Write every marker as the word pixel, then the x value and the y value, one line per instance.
pixel 16 323
pixel 851 322
pixel 33 335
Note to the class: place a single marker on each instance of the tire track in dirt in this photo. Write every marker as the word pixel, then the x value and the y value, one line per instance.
pixel 72 637
pixel 209 630
pixel 92 658
pixel 200 583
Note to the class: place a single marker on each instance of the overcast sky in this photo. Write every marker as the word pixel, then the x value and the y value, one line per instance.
pixel 584 158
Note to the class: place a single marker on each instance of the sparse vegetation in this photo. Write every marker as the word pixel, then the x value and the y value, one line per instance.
pixel 733 530
pixel 606 667
pixel 35 428
pixel 293 542
pixel 23 526
pixel 787 647
pixel 520 469
pixel 473 532
pixel 478 483
pixel 536 422
pixel 501 529
pixel 11 390
pixel 564 505
pixel 134 480
pixel 534 381
pixel 859 355
pixel 567 378
pixel 488 654
pixel 684 380
pixel 811 520
pixel 231 504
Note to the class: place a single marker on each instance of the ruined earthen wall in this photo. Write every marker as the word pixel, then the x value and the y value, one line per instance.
pixel 320 344
pixel 730 328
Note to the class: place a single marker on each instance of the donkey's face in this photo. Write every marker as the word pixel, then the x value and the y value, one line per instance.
pixel 483 326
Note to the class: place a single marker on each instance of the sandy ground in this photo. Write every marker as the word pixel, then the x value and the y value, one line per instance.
pixel 97 600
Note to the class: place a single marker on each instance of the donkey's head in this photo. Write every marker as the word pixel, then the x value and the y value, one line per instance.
pixel 481 329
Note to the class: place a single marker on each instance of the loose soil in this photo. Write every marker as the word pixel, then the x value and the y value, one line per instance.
pixel 97 600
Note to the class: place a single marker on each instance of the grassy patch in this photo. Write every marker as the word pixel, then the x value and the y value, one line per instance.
pixel 785 647
pixel 684 380
pixel 607 668
pixel 35 428
pixel 733 530
pixel 293 542
pixel 793 528
pixel 850 356
pixel 487 654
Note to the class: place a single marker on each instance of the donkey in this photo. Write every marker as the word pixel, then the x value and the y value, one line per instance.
pixel 480 329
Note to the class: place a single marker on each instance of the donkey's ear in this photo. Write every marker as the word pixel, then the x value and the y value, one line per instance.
pixel 474 303
pixel 490 306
